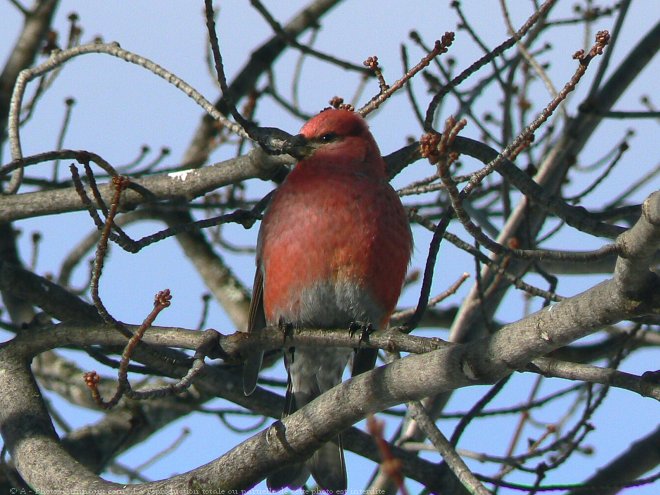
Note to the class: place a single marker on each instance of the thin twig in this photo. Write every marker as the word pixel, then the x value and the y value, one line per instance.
pixel 69 102
pixel 92 379
pixel 496 52
pixel 446 450
pixel 277 27
pixel 441 46
pixel 525 138
pixel 529 58
pixel 119 184
pixel 58 58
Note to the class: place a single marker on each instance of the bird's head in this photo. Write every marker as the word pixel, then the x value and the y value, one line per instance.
pixel 336 137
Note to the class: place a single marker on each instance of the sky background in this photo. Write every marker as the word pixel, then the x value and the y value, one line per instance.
pixel 120 107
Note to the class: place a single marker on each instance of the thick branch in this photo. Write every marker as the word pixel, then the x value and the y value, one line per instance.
pixel 184 185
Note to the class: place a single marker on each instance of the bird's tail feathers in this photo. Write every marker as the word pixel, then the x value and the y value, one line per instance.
pixel 327 464
pixel 328 467
pixel 293 476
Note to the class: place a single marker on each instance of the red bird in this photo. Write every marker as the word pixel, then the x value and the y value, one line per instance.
pixel 333 250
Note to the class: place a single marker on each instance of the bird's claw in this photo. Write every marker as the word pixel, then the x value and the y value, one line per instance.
pixel 286 328
pixel 365 329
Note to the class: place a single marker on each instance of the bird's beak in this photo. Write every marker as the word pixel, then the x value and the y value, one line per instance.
pixel 299 147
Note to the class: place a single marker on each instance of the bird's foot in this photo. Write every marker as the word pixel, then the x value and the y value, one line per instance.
pixel 365 329
pixel 286 328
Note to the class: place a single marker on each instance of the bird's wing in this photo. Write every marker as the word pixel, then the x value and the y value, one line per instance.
pixel 256 320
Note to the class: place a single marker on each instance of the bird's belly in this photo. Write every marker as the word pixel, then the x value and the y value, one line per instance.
pixel 329 304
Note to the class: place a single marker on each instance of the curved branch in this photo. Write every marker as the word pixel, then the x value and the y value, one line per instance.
pixel 59 58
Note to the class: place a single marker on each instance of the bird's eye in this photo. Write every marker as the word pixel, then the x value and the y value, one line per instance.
pixel 326 138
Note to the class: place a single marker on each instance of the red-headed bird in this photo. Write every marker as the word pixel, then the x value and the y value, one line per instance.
pixel 333 250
